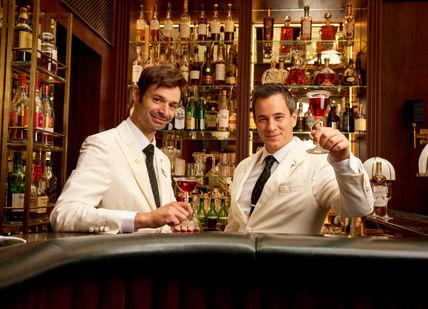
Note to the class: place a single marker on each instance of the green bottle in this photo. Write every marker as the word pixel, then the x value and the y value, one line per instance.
pixel 16 189
pixel 202 215
pixel 212 216
pixel 222 216
pixel 190 114
pixel 200 115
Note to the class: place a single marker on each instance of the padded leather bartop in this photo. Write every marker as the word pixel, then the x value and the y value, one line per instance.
pixel 237 252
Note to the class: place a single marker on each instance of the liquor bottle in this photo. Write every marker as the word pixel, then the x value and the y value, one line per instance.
pixel 223 112
pixel 301 119
pixel 220 67
pixel 49 116
pixel 282 72
pixel 349 25
pixel 306 25
pixel 215 25
pixel 207 70
pixel 268 23
pixel 310 120
pixel 200 114
pixel 347 118
pixel 340 40
pixel 286 35
pixel 154 25
pixel 202 25
pixel 140 27
pixel 360 122
pixel 48 52
pixel 233 116
pixel 202 214
pixel 350 75
pixel 271 75
pixel 185 23
pixel 211 115
pixel 180 115
pixel 16 189
pixel 185 65
pixel 231 70
pixel 222 216
pixel 23 37
pixel 39 200
pixel 168 25
pixel 326 77
pixel 229 26
pixel 137 66
pixel 379 187
pixel 190 114
pixel 195 69
pixel 39 114
pixel 297 74
pixel 212 216
pixel 19 111
pixel 50 180
pixel 331 118
pixel 327 33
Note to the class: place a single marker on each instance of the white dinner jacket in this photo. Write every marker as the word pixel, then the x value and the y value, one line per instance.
pixel 298 195
pixel 110 183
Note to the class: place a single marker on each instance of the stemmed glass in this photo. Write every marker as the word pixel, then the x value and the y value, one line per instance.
pixel 186 185
pixel 387 196
pixel 318 103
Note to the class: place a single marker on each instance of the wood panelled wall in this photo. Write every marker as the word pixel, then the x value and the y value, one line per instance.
pixel 404 63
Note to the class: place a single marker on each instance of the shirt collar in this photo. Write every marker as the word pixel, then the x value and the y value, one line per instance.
pixel 281 153
pixel 141 138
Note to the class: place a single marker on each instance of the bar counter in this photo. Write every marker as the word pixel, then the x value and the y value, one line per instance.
pixel 213 270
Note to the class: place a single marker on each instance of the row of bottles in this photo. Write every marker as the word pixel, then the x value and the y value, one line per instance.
pixel 43 115
pixel 43 187
pixel 340 116
pixel 290 35
pixel 203 112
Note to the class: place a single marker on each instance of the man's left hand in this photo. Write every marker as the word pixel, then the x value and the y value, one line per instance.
pixel 334 141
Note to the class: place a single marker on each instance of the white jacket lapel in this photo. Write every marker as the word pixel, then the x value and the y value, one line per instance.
pixel 136 161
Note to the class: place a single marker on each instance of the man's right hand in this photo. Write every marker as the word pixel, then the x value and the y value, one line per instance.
pixel 171 214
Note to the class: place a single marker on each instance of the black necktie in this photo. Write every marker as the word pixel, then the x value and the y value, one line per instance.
pixel 260 183
pixel 150 151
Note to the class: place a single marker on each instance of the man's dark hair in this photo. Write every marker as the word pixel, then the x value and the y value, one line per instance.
pixel 162 76
pixel 267 90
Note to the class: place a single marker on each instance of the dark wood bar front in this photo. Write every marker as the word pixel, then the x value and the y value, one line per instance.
pixel 213 270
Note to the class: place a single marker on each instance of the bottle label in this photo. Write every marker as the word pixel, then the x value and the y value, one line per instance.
pixel 349 30
pixel 49 124
pixel 201 124
pixel 211 121
pixel 140 24
pixel 202 29
pixel 179 119
pixel 215 27
pixel 220 71
pixel 136 72
pixel 229 26
pixel 167 28
pixel 18 200
pixel 154 24
pixel 38 120
pixel 223 119
pixel 195 74
pixel 13 122
pixel 25 39
pixel 306 29
pixel 190 123
pixel 231 80
pixel 185 31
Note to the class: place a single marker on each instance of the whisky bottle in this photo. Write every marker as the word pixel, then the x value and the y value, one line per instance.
pixel 223 112
pixel 327 33
pixel 233 116
pixel 297 74
pixel 184 65
pixel 347 118
pixel 50 180
pixel 154 25
pixel 212 216
pixel 301 119
pixel 379 187
pixel 168 25
pixel 326 77
pixel 207 70
pixel 331 118
pixel 360 123
pixel 185 23
pixel 180 115
pixel 268 23
pixel 211 116
pixel 230 70
pixel 39 114
pixel 349 25
pixel 48 52
pixel 215 25
pixel 23 37
pixel 271 75
pixel 306 25
pixel 195 69
pixel 229 26
pixel 38 199
pixel 16 189
pixel 49 116
pixel 286 35
pixel 350 75
pixel 19 112
pixel 140 27
pixel 220 67
pixel 282 72
pixel 202 25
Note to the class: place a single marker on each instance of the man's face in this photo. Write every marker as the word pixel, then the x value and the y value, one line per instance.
pixel 274 122
pixel 155 109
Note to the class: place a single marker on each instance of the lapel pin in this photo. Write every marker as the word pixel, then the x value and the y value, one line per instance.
pixel 137 161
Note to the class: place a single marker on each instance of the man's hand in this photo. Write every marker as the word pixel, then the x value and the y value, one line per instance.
pixel 334 141
pixel 171 214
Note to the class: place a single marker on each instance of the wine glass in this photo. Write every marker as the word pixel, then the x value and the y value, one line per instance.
pixel 387 196
pixel 318 103
pixel 186 185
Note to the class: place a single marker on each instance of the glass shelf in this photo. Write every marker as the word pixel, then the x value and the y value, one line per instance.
pixel 44 74
pixel 201 135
